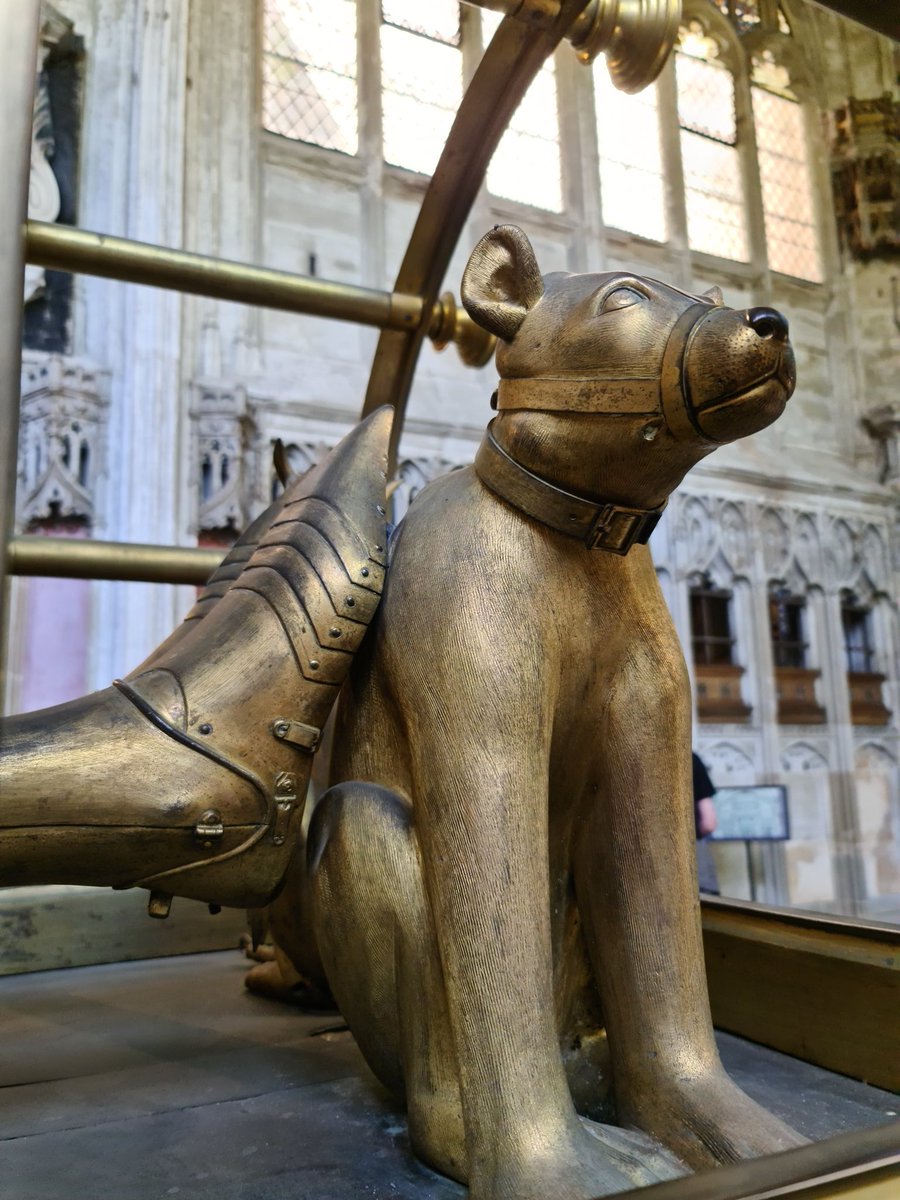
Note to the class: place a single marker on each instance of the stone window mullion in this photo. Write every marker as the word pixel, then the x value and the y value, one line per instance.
pixel 579 162
pixel 673 170
pixel 372 227
pixel 749 159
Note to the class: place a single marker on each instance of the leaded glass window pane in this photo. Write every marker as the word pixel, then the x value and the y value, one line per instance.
pixel 714 197
pixel 714 192
pixel 526 164
pixel 631 169
pixel 438 19
pixel 309 72
pixel 421 81
pixel 705 98
pixel 787 195
pixel 711 625
pixel 787 620
pixel 858 644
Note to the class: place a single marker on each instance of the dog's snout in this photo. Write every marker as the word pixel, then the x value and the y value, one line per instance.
pixel 767 323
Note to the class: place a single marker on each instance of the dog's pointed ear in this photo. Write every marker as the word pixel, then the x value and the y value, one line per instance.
pixel 715 295
pixel 501 281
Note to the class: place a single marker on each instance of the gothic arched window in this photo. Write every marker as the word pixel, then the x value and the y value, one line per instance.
pixel 711 164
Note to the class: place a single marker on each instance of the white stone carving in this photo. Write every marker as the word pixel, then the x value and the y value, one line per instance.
pixel 221 432
pixel 43 190
pixel 725 758
pixel 733 536
pixel 776 540
pixel 711 537
pixel 873 554
pixel 872 756
pixel 840 555
pixel 807 548
pixel 695 534
pixel 791 548
pixel 412 475
pixel 883 426
pixel 62 440
pixel 802 756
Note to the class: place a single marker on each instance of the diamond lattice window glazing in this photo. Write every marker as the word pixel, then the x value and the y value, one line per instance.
pixel 421 85
pixel 787 195
pixel 714 190
pixel 438 19
pixel 631 167
pixel 309 88
pixel 526 165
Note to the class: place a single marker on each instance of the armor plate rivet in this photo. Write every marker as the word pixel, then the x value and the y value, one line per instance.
pixel 380 509
pixel 332 632
pixel 205 727
pixel 314 664
pixel 350 602
pixel 378 549
pixel 364 572
pixel 281 729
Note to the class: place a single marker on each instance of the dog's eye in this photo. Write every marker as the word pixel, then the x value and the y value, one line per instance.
pixel 620 298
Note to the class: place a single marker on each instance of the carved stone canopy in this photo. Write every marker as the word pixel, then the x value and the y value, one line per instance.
pixel 62 448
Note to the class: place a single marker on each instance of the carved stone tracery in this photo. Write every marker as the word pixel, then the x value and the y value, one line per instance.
pixel 711 537
pixel 44 200
pixel 62 443
pixel 865 151
pixel 220 414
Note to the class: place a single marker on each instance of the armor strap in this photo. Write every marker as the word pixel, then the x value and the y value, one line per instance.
pixel 131 691
pixel 601 526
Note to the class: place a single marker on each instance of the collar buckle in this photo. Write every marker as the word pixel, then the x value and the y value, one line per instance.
pixel 616 528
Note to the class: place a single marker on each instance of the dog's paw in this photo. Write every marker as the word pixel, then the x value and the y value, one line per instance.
pixel 708 1121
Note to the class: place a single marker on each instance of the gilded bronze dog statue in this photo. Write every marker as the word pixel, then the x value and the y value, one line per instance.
pixel 505 866
pixel 501 879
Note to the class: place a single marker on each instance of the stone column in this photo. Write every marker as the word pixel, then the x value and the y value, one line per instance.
pixel 849 875
pixel 133 184
pixel 770 857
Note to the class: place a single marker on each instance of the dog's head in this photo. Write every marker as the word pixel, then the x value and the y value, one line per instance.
pixel 672 375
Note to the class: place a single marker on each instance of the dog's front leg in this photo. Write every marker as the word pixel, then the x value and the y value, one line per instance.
pixel 637 890
pixel 481 816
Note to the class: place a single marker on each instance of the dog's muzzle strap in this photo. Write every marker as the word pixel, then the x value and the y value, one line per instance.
pixel 611 394
pixel 601 526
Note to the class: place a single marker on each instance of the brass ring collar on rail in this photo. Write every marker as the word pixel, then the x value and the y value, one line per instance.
pixel 636 35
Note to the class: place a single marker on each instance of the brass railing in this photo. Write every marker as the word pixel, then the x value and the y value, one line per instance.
pixel 66 249
pixel 75 558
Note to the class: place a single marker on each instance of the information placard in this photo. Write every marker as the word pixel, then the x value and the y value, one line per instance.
pixel 751 814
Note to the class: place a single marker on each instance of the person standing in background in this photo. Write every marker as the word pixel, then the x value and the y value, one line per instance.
pixel 705 822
